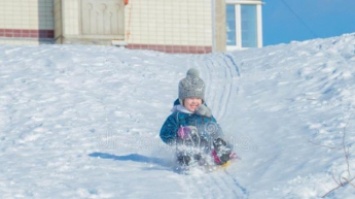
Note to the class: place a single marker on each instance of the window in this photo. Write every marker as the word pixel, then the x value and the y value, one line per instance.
pixel 243 22
pixel 231 26
pixel 249 26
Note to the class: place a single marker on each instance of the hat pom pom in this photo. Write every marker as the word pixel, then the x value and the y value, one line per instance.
pixel 192 72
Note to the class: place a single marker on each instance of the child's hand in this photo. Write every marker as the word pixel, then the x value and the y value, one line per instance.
pixel 203 110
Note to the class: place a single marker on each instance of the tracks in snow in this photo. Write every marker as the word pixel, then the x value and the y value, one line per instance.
pixel 218 184
pixel 222 75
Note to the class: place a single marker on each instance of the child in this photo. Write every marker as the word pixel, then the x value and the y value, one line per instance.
pixel 192 123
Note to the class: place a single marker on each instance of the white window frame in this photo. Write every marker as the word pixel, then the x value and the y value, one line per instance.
pixel 238 25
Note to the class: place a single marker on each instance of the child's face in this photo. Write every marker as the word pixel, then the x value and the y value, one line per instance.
pixel 192 104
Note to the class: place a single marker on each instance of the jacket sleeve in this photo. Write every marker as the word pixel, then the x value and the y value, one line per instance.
pixel 215 129
pixel 169 130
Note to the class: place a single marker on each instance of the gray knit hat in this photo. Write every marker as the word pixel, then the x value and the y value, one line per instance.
pixel 192 85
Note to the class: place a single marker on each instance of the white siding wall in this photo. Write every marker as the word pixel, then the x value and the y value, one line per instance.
pixel 169 22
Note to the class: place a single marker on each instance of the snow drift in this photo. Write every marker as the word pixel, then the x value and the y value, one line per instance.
pixel 83 121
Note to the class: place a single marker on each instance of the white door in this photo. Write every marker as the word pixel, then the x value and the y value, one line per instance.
pixel 102 18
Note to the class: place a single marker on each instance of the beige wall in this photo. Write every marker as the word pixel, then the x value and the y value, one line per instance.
pixel 220 29
pixel 78 25
pixel 169 22
pixel 70 17
pixel 26 14
pixel 26 21
pixel 148 22
pixel 58 24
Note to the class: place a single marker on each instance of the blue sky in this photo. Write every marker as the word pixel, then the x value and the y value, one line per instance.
pixel 297 20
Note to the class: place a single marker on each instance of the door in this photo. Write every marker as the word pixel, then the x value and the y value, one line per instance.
pixel 102 18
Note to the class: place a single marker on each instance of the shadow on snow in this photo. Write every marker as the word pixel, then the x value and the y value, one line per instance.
pixel 132 157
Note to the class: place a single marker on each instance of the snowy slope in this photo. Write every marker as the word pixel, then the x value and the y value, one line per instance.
pixel 83 121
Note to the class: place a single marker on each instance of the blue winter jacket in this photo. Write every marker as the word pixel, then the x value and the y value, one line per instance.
pixel 207 126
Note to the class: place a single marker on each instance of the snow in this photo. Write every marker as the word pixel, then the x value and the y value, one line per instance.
pixel 84 121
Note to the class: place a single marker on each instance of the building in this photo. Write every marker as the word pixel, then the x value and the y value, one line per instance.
pixel 173 26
